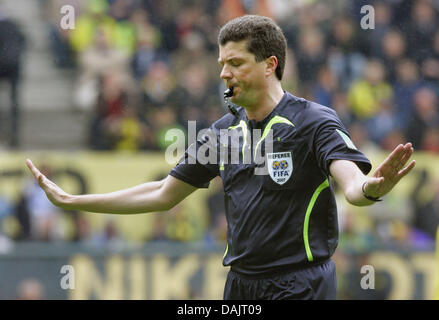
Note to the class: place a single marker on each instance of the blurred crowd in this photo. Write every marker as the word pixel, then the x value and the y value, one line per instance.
pixel 143 67
pixel 146 66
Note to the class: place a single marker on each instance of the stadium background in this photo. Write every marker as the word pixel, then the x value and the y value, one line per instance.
pixel 95 103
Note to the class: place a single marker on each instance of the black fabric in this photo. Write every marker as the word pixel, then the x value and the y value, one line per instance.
pixel 318 282
pixel 266 214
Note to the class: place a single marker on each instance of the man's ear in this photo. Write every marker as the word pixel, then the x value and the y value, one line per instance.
pixel 271 64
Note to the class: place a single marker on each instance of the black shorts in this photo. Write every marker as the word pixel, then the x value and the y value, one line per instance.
pixel 318 282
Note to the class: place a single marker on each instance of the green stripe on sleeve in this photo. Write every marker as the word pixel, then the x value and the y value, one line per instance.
pixel 311 204
pixel 346 139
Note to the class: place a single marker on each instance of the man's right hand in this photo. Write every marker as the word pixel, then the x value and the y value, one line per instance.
pixel 54 193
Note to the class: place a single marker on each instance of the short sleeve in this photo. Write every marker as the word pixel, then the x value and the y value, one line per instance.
pixel 199 164
pixel 332 142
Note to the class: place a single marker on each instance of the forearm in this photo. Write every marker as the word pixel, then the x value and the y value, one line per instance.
pixel 351 180
pixel 143 198
pixel 354 193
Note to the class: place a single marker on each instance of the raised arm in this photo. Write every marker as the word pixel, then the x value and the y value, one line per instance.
pixel 147 197
pixel 385 177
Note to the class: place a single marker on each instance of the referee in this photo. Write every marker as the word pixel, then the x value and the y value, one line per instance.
pixel 282 225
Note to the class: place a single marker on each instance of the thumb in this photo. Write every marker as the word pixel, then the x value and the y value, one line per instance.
pixel 372 183
pixel 375 180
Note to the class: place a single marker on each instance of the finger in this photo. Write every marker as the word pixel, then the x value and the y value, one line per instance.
pixel 37 174
pixel 29 164
pixel 408 153
pixel 33 169
pixel 403 155
pixel 407 169
pixel 392 164
pixel 389 165
pixel 394 157
pixel 408 148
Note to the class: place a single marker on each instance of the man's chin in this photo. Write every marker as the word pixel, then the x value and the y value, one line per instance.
pixel 235 100
pixel 238 100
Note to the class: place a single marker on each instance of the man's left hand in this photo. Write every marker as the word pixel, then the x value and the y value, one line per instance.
pixel 390 171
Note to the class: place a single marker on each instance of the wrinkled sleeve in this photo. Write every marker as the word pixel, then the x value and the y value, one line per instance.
pixel 199 164
pixel 331 141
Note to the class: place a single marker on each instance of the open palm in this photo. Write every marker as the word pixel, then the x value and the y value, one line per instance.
pixel 390 171
pixel 54 193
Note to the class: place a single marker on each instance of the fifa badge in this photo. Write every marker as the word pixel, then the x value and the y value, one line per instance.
pixel 280 166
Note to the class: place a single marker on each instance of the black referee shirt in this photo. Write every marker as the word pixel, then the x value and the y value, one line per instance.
pixel 286 217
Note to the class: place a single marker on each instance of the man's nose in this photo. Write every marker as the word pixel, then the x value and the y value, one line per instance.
pixel 225 73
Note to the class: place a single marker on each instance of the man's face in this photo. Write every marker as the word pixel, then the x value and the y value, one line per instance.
pixel 241 71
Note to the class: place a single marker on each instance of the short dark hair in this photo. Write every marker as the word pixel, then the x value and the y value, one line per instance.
pixel 265 38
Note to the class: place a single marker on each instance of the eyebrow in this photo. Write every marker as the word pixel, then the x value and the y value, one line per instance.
pixel 220 61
